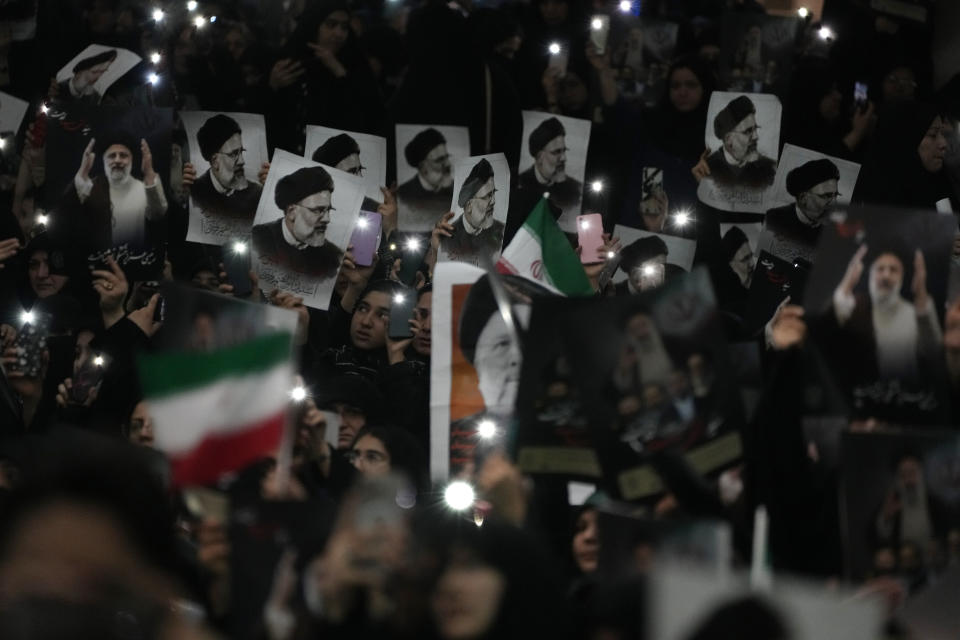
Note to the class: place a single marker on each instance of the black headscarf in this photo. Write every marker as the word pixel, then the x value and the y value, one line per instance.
pixel 681 134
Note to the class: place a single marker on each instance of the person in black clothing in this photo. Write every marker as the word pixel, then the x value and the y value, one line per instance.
pixel 427 195
pixel 297 241
pixel 223 190
pixel 737 161
pixel 476 232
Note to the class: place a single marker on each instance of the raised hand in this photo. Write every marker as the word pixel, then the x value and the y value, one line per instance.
pixel 143 317
pixel 328 58
pixel 8 249
pixel 701 170
pixel 284 73
pixel 920 296
pixel 86 162
pixel 112 287
pixel 262 174
pixel 855 271
pixel 189 174
pixel 388 211
pixel 146 164
pixel 786 329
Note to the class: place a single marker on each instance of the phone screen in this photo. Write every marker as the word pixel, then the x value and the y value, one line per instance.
pixel 590 237
pixel 236 262
pixel 599 30
pixel 401 311
pixel 366 238
pixel 30 344
pixel 558 58
pixel 860 90
pixel 411 251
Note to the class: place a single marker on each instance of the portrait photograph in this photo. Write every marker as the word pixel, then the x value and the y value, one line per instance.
pixel 772 282
pixel 661 195
pixel 553 156
pixel 91 72
pixel 650 259
pixel 808 186
pixel 757 52
pixel 359 154
pixel 743 137
pixel 303 226
pixel 226 151
pixel 642 49
pixel 425 157
pixel 481 200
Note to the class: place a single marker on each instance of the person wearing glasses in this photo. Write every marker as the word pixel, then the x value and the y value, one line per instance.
pixel 738 162
pixel 476 232
pixel 427 195
pixel 813 185
pixel 342 152
pixel 298 240
pixel 223 190
pixel 547 145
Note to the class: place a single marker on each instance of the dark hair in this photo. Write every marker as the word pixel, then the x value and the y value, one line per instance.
pixel 406 454
pixel 748 618
pixel 389 287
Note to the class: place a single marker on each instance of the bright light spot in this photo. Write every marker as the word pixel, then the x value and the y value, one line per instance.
pixel 362 223
pixel 803 12
pixel 487 429
pixel 597 186
pixel 611 255
pixel 625 6
pixel 155 57
pixel 26 317
pixel 213 19
pixel 157 15
pixel 298 394
pixel 393 247
pixel 399 298
pixel 459 495
pixel 43 218
pixel 478 519
pixel 554 48
pixel 681 218
pixel 413 244
pixel 3 143
pixel 597 24
pixel 649 270
pixel 584 224
pixel 240 247
pixel 825 33
pixel 192 5
pixel 45 109
pixel 98 361
pixel 153 78
pixel 199 22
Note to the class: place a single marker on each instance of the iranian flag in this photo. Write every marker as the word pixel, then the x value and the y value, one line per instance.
pixel 218 411
pixel 540 252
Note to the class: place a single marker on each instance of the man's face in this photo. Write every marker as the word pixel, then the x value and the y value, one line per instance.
pixel 421 341
pixel 368 325
pixel 497 361
pixel 351 164
pixel 551 161
pixel 816 202
pixel 886 276
pixel 308 219
pixel 117 163
pixel 742 264
pixel 43 283
pixel 478 210
pixel 741 142
pixel 639 327
pixel 435 168
pixel 228 164
pixel 84 80
pixel 352 419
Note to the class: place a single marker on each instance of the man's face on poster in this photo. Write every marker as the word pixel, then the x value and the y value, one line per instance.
pixel 639 327
pixel 351 164
pixel 816 202
pixel 228 164
pixel 743 263
pixel 435 169
pixel 497 361
pixel 886 277
pixel 308 219
pixel 551 161
pixel 84 80
pixel 478 210
pixel 117 163
pixel 741 141
pixel 649 273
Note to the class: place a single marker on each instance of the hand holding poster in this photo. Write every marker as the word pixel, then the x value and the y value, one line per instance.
pixel 481 188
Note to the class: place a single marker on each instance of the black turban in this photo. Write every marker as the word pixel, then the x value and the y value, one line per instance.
pixel 731 115
pixel 810 174
pixel 336 149
pixel 481 304
pixel 110 138
pixel 545 132
pixel 422 144
pixel 481 172
pixel 732 240
pixel 214 132
pixel 301 184
pixel 88 63
pixel 640 251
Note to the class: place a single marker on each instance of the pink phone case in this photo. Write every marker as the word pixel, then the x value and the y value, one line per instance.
pixel 590 237
pixel 365 238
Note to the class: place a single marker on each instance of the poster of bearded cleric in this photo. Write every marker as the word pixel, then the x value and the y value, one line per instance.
pixel 481 190
pixel 757 52
pixel 742 138
pixel 476 361
pixel 105 192
pixel 91 72
pixel 360 154
pixel 553 159
pixel 425 157
pixel 874 303
pixel 303 226
pixel 226 151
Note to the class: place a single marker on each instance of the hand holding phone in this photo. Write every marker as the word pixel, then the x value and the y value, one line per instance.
pixel 401 312
pixel 236 263
pixel 590 237
pixel 366 238
pixel 30 345
pixel 599 31
pixel 860 92
pixel 559 57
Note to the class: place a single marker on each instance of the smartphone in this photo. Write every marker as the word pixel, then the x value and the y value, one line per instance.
pixel 236 262
pixel 366 238
pixel 30 344
pixel 558 57
pixel 798 280
pixel 160 312
pixel 87 377
pixel 599 30
pixel 860 90
pixel 590 237
pixel 401 311
pixel 610 268
pixel 411 251
pixel 652 184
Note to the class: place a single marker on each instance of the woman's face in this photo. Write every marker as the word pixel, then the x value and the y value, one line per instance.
pixel 333 31
pixel 370 457
pixel 586 543
pixel 686 92
pixel 467 598
pixel 933 147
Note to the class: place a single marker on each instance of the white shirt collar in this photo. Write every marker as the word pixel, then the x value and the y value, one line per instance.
pixel 288 236
pixel 804 219
pixel 219 188
pixel 731 160
pixel 426 186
